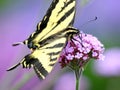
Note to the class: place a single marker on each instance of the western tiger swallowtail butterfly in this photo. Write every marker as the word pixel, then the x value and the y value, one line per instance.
pixel 50 37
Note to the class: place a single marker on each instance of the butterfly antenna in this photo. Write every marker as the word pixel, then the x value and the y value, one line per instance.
pixel 17 43
pixel 90 21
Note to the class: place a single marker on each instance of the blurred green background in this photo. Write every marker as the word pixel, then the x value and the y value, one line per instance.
pixel 18 19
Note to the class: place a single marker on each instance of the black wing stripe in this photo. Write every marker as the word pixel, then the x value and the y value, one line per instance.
pixel 40 68
pixel 56 46
pixel 38 73
pixel 48 14
pixel 53 59
pixel 52 64
pixel 64 17
pixel 66 4
pixel 54 53
pixel 51 38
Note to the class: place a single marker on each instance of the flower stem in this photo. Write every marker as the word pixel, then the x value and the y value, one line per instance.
pixel 78 74
pixel 77 84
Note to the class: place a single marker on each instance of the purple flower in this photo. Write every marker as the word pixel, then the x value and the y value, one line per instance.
pixel 78 55
pixel 81 48
pixel 69 56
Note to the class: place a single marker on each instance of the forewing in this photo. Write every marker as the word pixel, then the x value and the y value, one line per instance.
pixel 59 16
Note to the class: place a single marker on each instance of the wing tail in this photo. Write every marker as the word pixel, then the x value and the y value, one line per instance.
pixel 13 67
pixel 26 63
pixel 29 61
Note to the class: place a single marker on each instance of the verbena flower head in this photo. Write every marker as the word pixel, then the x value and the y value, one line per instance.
pixel 80 49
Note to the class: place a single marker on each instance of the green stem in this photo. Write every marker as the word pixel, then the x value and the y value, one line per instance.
pixel 78 74
pixel 77 84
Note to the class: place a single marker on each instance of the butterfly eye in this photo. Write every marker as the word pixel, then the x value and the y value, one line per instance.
pixel 31 45
pixel 34 47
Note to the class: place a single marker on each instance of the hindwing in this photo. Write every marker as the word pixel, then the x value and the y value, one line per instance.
pixel 44 58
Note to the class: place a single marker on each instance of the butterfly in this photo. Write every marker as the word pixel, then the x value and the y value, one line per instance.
pixel 50 37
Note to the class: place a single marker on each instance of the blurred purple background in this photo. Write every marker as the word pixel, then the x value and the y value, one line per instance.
pixel 18 20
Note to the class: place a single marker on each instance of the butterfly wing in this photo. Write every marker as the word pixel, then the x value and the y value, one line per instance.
pixel 47 56
pixel 44 58
pixel 50 37
pixel 59 16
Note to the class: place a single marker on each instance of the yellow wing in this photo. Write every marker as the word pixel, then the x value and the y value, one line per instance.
pixel 50 37
pixel 44 58
pixel 59 16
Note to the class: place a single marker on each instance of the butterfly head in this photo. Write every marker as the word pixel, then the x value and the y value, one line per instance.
pixel 33 46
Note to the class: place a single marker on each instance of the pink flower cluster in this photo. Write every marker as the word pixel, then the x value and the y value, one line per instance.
pixel 81 48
